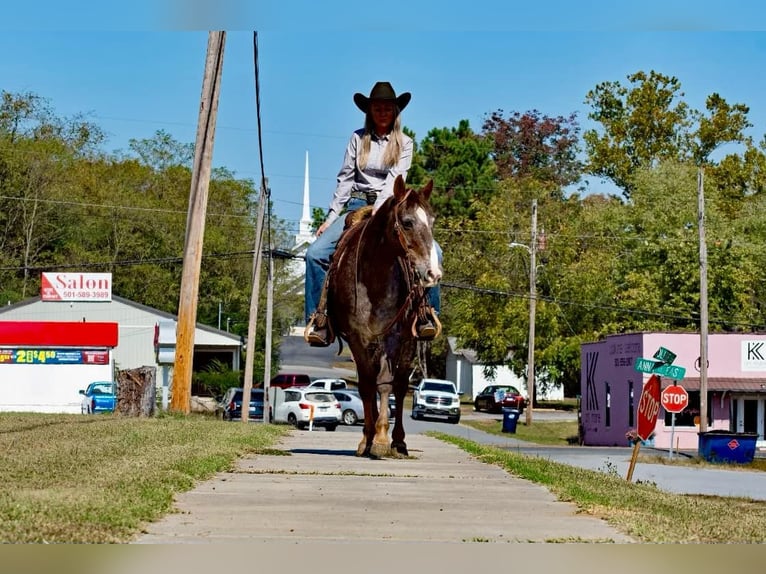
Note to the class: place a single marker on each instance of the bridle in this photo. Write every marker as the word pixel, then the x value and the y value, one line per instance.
pixel 415 292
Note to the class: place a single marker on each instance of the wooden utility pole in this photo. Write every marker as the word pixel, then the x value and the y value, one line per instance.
pixel 532 310
pixel 269 322
pixel 254 296
pixel 195 224
pixel 703 298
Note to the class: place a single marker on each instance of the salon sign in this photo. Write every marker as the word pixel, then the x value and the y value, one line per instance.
pixel 76 287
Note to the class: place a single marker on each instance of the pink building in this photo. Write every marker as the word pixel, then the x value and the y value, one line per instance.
pixel 611 387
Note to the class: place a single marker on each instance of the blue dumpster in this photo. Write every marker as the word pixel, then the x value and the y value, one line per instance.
pixel 725 446
pixel 510 418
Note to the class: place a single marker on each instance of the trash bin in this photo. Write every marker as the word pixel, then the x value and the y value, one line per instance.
pixel 725 446
pixel 510 418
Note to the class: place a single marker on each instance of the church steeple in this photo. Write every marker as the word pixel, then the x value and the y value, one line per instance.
pixel 305 235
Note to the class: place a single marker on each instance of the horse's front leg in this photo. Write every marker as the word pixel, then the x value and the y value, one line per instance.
pixel 380 446
pixel 398 446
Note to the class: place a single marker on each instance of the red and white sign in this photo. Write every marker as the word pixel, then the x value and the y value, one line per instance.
pixel 675 399
pixel 648 407
pixel 76 287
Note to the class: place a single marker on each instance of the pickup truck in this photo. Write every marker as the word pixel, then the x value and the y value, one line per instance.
pixel 329 384
pixel 99 397
pixel 436 399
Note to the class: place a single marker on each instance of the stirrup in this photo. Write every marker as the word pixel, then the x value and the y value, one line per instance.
pixel 426 325
pixel 318 332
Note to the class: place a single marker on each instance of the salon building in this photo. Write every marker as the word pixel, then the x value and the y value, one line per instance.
pixel 611 387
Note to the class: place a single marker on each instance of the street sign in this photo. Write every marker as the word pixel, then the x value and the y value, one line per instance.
pixel 659 368
pixel 648 407
pixel 675 399
pixel 664 356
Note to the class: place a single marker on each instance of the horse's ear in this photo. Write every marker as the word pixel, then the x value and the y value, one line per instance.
pixel 426 190
pixel 399 188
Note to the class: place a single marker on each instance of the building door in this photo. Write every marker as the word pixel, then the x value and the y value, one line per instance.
pixel 750 413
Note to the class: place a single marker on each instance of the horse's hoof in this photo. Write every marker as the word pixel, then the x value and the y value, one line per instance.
pixel 380 450
pixel 400 448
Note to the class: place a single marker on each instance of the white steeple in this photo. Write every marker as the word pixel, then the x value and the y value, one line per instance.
pixel 305 235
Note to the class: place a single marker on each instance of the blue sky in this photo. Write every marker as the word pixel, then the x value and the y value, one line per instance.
pixel 137 68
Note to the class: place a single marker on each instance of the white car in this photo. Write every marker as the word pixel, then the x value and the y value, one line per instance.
pixel 303 407
pixel 329 384
pixel 437 399
pixel 351 406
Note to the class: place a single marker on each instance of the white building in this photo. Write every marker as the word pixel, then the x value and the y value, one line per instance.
pixel 138 328
pixel 464 368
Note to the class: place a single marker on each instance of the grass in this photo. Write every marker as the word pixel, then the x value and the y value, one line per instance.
pixel 640 510
pixel 75 479
pixel 551 433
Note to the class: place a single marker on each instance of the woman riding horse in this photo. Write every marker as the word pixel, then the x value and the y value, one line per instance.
pixel 375 156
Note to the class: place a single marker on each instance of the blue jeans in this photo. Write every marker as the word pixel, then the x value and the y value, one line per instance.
pixel 320 252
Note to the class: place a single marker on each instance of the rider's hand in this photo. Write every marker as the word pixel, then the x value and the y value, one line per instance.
pixel 322 228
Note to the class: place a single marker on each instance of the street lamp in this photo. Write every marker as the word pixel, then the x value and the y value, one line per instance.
pixel 532 250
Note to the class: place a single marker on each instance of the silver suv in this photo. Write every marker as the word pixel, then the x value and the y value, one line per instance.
pixel 437 399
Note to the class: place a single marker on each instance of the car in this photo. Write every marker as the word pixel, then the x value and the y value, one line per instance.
pixel 329 384
pixel 229 408
pixel 303 406
pixel 286 380
pixel 436 399
pixel 494 397
pixel 99 397
pixel 351 406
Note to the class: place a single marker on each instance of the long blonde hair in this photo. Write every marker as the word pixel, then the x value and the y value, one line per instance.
pixel 394 147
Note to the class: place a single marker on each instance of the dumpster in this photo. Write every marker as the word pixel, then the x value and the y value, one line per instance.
pixel 725 446
pixel 510 418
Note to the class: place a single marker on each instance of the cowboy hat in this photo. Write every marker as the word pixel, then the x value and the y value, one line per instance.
pixel 381 91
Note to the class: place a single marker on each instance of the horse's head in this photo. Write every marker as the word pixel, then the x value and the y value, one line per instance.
pixel 413 223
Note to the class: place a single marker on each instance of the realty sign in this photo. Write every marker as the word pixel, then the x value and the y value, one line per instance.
pixel 76 287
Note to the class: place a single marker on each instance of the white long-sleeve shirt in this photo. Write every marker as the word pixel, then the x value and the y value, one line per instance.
pixel 375 177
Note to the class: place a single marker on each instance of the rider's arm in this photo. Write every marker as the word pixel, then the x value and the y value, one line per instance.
pixel 345 179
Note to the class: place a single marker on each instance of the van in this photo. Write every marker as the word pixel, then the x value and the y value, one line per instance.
pixel 285 380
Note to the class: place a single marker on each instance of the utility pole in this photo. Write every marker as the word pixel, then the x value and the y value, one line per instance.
pixel 703 298
pixel 195 224
pixel 532 310
pixel 254 296
pixel 269 322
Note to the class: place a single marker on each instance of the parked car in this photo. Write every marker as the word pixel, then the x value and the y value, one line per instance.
pixel 229 408
pixel 99 397
pixel 351 406
pixel 329 384
pixel 301 403
pixel 437 399
pixel 494 397
pixel 286 380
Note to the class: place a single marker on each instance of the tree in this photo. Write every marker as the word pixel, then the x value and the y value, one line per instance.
pixel 459 163
pixel 536 146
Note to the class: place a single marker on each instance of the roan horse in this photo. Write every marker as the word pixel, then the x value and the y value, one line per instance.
pixel 380 269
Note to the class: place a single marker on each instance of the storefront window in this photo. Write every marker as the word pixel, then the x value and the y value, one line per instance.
pixel 689 417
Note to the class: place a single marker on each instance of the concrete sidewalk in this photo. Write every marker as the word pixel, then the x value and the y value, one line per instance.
pixel 323 492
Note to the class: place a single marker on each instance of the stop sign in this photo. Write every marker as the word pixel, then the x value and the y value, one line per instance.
pixel 648 407
pixel 675 399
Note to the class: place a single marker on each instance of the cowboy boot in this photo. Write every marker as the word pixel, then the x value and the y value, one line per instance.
pixel 318 332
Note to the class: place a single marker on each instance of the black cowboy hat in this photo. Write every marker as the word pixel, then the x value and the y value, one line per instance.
pixel 382 91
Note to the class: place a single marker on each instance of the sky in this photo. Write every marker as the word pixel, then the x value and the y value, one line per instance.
pixel 136 68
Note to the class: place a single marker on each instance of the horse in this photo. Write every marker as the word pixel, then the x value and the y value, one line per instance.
pixel 380 269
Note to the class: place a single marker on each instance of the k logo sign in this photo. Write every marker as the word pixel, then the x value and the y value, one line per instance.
pixel 753 354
